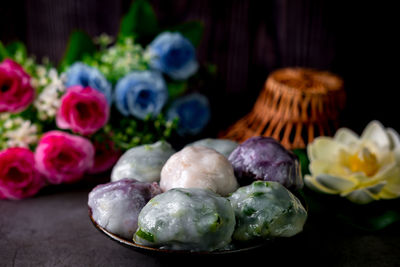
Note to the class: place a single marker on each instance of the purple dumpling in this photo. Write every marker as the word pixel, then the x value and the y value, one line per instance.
pixel 116 205
pixel 263 158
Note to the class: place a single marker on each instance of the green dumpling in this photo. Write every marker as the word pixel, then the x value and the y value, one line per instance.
pixel 266 209
pixel 192 219
pixel 142 163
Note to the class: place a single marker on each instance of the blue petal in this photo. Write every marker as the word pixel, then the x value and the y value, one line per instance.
pixel 141 93
pixel 193 112
pixel 174 55
pixel 77 74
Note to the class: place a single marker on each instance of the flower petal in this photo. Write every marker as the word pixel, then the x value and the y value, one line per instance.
pixel 361 196
pixel 385 194
pixel 312 183
pixel 317 167
pixel 324 148
pixel 377 134
pixel 396 153
pixel 382 175
pixel 336 183
pixel 346 136
pixel 377 188
pixel 393 183
pixel 394 138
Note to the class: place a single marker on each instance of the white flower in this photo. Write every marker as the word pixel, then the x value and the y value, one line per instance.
pixel 362 169
pixel 21 133
pixel 48 101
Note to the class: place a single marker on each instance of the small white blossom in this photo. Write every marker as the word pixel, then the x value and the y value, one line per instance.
pixel 49 101
pixel 8 124
pixel 104 39
pixel 19 133
pixel 4 116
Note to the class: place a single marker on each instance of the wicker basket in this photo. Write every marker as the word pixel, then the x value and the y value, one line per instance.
pixel 295 105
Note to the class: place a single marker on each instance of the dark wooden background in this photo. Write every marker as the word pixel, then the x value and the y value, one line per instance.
pixel 247 40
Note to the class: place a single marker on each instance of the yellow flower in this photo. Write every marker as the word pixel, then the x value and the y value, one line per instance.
pixel 362 169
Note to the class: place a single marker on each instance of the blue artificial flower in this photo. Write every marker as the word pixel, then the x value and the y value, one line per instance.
pixel 141 93
pixel 193 112
pixel 174 55
pixel 84 75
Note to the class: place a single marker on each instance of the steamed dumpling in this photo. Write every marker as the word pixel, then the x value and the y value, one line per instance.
pixel 266 209
pixel 143 163
pixel 198 167
pixel 264 158
pixel 223 146
pixel 116 205
pixel 186 219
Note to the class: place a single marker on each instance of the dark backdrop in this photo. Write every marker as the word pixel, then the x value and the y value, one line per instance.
pixel 247 40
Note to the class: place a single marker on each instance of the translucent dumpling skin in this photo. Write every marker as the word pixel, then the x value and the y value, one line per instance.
pixel 223 146
pixel 143 163
pixel 266 209
pixel 115 206
pixel 186 219
pixel 199 167
pixel 263 158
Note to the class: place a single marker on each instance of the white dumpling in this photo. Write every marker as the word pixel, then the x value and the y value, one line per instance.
pixel 142 163
pixel 199 167
pixel 223 146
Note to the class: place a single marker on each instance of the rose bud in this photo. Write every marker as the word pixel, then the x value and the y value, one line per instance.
pixel 63 157
pixel 16 92
pixel 19 177
pixel 83 110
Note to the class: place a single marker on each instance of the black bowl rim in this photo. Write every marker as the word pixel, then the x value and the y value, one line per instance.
pixel 133 245
pixel 159 251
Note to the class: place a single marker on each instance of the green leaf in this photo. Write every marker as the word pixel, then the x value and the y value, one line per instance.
pixel 17 50
pixel 3 52
pixel 140 21
pixel 79 45
pixel 192 30
pixel 211 68
pixel 304 161
pixel 385 219
pixel 339 211
pixel 176 89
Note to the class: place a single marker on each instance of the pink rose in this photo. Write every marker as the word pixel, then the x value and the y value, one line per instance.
pixel 105 157
pixel 83 110
pixel 18 176
pixel 16 92
pixel 63 157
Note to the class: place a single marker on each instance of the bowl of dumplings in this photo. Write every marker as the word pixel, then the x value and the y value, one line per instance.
pixel 214 196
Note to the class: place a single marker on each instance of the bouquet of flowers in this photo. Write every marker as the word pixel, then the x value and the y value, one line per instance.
pixel 58 124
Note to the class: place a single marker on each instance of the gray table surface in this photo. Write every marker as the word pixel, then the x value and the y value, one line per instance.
pixel 53 229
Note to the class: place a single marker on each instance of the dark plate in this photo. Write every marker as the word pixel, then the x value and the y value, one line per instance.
pixel 159 251
pixel 236 248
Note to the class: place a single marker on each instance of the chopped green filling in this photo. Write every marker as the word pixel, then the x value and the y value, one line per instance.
pixel 216 224
pixel 257 194
pixel 248 211
pixel 261 184
pixel 145 235
pixel 258 183
pixel 148 147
